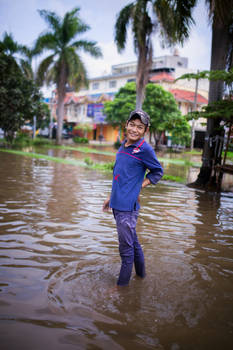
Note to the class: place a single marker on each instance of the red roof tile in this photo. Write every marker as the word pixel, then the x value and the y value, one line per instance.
pixel 188 96
pixel 163 76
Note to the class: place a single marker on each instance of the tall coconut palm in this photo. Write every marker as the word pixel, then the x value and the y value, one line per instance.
pixel 172 19
pixel 63 66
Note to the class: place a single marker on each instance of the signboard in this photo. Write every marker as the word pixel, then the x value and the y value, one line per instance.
pixel 95 111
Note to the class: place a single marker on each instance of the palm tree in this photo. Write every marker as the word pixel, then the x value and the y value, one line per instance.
pixel 221 15
pixel 171 18
pixel 63 66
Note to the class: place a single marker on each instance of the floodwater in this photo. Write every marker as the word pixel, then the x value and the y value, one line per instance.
pixel 59 262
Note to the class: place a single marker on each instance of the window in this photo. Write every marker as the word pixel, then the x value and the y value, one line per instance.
pixel 112 83
pixel 95 86
pixel 180 63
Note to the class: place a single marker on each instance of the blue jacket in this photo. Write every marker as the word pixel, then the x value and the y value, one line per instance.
pixel 129 172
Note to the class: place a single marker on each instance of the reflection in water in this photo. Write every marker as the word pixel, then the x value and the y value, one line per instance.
pixel 59 261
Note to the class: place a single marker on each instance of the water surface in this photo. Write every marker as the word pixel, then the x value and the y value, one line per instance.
pixel 59 261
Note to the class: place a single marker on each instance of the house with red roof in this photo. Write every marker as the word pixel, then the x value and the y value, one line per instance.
pixel 86 106
pixel 186 100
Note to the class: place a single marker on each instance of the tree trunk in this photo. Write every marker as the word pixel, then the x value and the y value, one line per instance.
pixel 61 88
pixel 143 70
pixel 218 62
pixel 60 116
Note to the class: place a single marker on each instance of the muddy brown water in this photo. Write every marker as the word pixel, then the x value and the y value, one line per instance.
pixel 59 261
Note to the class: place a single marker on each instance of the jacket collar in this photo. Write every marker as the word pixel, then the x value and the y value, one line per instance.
pixel 136 144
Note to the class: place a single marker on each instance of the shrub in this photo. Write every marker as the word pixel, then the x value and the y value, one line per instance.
pixel 22 139
pixel 78 139
pixel 41 141
pixel 88 161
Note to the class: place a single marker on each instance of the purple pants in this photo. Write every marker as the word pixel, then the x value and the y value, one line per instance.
pixel 129 247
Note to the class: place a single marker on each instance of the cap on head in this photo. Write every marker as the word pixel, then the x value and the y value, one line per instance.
pixel 143 116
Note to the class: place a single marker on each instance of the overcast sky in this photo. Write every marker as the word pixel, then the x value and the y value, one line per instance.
pixel 21 18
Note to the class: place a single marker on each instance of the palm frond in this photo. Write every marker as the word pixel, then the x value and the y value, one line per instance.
pixel 26 51
pixel 179 12
pixel 123 19
pixel 43 68
pixel 46 41
pixel 87 46
pixel 10 46
pixel 53 20
pixel 72 25
pixel 75 69
pixel 51 75
pixel 27 69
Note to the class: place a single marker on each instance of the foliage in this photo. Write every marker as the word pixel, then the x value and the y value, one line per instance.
pixel 85 127
pixel 88 161
pixel 223 108
pixel 213 75
pixel 21 140
pixel 45 120
pixel 100 166
pixel 181 133
pixel 20 99
pixel 42 141
pixel 173 178
pixel 230 155
pixel 146 17
pixel 63 66
pixel 21 54
pixel 78 139
pixel 159 104
pixel 118 110
pixel 162 108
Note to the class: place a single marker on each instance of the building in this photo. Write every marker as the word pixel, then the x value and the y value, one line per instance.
pixel 86 106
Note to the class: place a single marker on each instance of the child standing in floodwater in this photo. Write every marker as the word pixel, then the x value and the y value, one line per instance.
pixel 133 158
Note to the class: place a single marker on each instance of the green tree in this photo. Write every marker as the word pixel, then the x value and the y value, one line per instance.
pixel 146 17
pixel 19 53
pixel 181 132
pixel 159 104
pixel 118 110
pixel 20 99
pixel 64 66
pixel 165 115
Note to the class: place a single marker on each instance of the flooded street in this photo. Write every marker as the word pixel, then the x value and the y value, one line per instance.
pixel 59 262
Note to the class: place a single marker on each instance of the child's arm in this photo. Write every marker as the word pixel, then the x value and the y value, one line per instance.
pixel 106 204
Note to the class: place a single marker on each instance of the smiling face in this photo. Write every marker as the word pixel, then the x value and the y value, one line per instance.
pixel 135 130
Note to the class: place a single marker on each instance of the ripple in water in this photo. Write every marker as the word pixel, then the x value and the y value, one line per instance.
pixel 59 261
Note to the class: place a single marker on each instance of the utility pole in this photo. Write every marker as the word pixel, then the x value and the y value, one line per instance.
pixel 194 108
pixel 34 127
